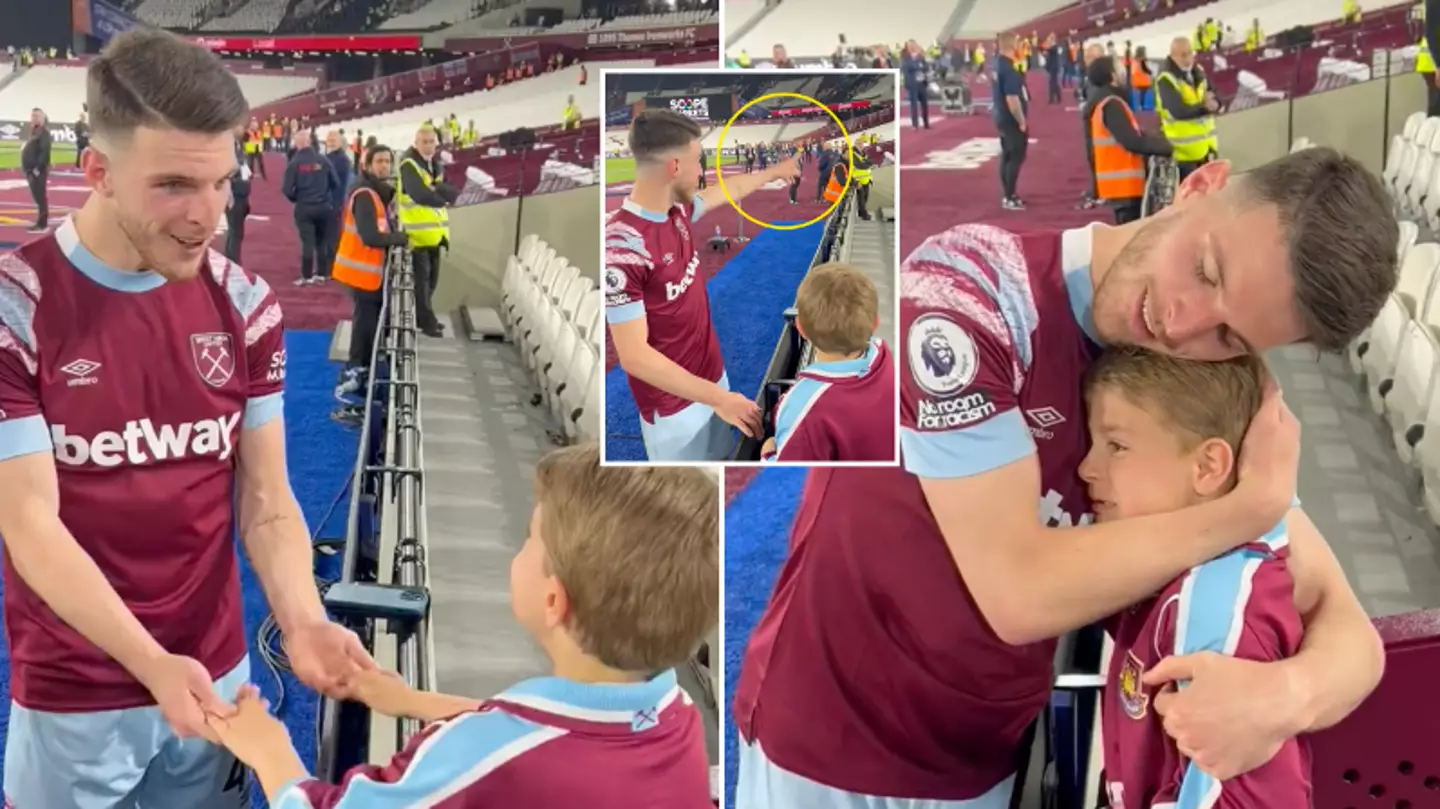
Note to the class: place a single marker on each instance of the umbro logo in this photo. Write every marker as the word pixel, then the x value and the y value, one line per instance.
pixel 81 372
pixel 1045 417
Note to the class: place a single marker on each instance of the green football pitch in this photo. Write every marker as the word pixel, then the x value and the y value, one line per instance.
pixel 61 154
pixel 622 169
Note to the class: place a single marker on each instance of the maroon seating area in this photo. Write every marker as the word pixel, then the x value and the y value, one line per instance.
pixel 1386 755
pixel 1296 71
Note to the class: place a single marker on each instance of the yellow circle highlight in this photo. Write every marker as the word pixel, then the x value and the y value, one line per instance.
pixel 720 150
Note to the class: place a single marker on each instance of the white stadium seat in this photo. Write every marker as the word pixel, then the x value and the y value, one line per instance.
pixel 1379 361
pixel 1409 396
pixel 1427 456
pixel 1417 277
pixel 552 314
pixel 1413 286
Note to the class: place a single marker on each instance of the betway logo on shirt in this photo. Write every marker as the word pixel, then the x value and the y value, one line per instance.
pixel 673 291
pixel 144 441
pixel 947 414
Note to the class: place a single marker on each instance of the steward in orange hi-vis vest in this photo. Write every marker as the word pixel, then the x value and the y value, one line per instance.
pixel 357 265
pixel 1119 172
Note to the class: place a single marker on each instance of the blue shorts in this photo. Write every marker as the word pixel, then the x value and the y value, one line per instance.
pixel 123 759
pixel 763 785
pixel 693 434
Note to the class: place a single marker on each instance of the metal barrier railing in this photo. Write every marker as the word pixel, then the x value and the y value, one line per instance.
pixel 792 352
pixel 387 490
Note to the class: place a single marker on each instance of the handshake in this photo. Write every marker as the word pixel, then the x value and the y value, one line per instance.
pixel 261 740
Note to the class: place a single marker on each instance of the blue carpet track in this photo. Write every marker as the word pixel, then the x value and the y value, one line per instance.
pixel 748 299
pixel 757 537
pixel 321 458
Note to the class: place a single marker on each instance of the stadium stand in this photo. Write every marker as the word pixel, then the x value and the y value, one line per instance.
pixel 254 15
pixel 534 102
pixel 60 89
pixel 436 13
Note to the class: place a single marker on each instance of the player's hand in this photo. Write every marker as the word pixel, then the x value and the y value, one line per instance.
pixel 1269 463
pixel 185 694
pixel 250 733
pixel 787 169
pixel 1231 716
pixel 768 448
pixel 323 653
pixel 740 412
pixel 382 691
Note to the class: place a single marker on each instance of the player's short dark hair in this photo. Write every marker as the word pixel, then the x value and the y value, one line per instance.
pixel 152 78
pixel 1341 236
pixel 655 133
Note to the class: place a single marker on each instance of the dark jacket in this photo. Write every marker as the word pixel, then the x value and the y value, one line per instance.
pixel 437 196
pixel 239 189
pixel 310 182
pixel 35 155
pixel 1170 98
pixel 340 164
pixel 363 207
pixel 1130 137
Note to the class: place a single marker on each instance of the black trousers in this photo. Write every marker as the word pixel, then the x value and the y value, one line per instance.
pixel 1055 87
pixel 427 277
pixel 794 188
pixel 1013 146
pixel 38 193
pixel 235 227
pixel 257 164
pixel 81 144
pixel 364 323
pixel 702 178
pixel 1127 210
pixel 862 198
pixel 919 98
pixel 312 222
pixel 1432 96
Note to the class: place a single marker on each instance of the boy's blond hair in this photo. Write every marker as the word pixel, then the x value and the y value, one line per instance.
pixel 1197 400
pixel 637 549
pixel 837 306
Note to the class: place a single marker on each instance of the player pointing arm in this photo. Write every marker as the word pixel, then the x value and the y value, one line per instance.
pixel 743 185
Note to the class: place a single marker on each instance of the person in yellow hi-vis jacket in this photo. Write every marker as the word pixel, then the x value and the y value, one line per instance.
pixel 422 198
pixel 570 117
pixel 1425 66
pixel 1350 11
pixel 1187 108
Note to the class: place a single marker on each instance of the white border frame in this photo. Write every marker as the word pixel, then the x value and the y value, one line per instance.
pixel 895 315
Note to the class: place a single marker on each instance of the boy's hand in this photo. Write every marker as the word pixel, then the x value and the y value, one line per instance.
pixel 251 733
pixel 768 448
pixel 383 691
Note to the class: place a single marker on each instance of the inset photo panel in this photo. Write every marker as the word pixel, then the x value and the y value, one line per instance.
pixel 749 267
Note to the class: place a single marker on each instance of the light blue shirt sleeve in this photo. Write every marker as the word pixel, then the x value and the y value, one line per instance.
pixel 442 764
pixel 960 413
pixel 794 406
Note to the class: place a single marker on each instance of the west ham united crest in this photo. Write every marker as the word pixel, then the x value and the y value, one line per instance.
pixel 1132 692
pixel 214 356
